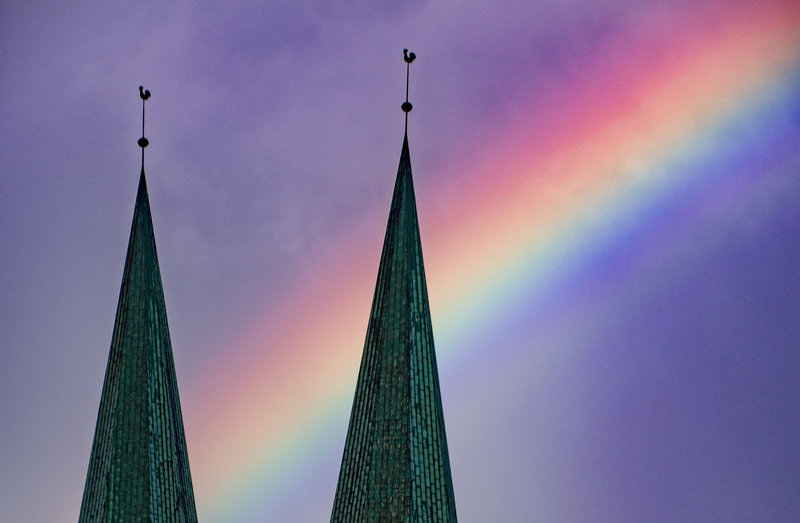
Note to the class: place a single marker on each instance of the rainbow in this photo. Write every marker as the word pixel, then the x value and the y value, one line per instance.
pixel 584 172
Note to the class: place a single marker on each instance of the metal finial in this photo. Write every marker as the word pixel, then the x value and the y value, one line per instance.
pixel 143 142
pixel 406 107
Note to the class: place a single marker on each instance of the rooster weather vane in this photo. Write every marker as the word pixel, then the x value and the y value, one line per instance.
pixel 143 142
pixel 406 107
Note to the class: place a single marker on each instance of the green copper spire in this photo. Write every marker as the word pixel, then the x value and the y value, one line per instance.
pixel 139 468
pixel 395 465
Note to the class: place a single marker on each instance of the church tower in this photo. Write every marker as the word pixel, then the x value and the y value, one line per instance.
pixel 139 468
pixel 395 465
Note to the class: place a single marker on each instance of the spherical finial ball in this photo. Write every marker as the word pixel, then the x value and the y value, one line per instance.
pixel 143 142
pixel 406 107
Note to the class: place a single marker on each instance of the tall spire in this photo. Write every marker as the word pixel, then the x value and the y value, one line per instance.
pixel 139 468
pixel 395 465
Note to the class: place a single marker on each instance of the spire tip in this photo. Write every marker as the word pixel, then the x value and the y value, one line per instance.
pixel 406 106
pixel 143 142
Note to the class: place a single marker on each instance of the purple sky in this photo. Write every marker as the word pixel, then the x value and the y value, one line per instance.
pixel 275 130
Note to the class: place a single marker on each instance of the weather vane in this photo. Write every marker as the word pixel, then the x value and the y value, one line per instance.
pixel 406 107
pixel 143 142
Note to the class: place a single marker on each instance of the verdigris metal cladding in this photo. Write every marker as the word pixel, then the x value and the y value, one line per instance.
pixel 395 465
pixel 139 469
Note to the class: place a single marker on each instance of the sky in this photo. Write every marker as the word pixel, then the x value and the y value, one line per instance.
pixel 607 195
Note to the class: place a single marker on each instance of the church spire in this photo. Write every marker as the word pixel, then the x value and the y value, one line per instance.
pixel 395 465
pixel 139 468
